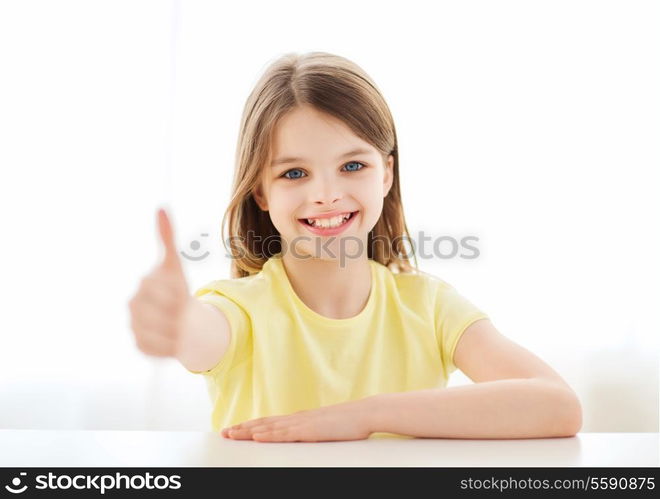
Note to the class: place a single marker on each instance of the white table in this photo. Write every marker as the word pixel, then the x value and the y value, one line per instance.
pixel 50 448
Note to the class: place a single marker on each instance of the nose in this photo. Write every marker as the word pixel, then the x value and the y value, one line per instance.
pixel 326 191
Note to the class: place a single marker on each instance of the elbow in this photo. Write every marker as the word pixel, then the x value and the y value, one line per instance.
pixel 570 415
pixel 564 409
pixel 577 418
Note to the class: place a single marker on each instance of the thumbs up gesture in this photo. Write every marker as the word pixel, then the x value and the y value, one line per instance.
pixel 158 307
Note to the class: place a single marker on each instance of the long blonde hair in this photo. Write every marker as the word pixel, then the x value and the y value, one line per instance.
pixel 340 88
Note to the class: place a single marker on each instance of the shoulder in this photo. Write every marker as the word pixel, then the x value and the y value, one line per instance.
pixel 243 291
pixel 416 289
pixel 417 282
pixel 238 284
pixel 433 292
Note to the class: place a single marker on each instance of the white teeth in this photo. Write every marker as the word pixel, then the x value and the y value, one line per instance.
pixel 329 222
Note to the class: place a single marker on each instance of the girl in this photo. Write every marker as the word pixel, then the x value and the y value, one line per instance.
pixel 325 330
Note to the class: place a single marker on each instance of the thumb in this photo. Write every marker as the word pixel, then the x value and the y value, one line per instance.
pixel 171 260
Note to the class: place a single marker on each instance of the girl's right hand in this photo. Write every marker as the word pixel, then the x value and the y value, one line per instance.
pixel 159 305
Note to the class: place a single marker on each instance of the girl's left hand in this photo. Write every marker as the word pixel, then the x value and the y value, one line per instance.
pixel 345 421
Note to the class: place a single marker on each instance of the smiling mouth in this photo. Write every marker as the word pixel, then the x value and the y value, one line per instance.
pixel 304 220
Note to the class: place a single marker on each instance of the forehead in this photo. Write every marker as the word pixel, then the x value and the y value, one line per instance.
pixel 307 132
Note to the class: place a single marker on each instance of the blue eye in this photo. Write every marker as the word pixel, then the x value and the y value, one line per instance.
pixel 294 170
pixel 354 163
pixel 299 170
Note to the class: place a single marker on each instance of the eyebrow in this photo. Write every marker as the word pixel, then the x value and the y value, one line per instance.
pixel 291 159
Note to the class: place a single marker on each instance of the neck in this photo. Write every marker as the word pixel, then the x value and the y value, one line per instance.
pixel 332 288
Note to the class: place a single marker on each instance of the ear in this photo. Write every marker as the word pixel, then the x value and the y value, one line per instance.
pixel 259 198
pixel 388 178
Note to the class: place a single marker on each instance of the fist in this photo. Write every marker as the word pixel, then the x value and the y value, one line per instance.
pixel 158 307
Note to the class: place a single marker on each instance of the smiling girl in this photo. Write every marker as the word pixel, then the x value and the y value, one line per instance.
pixel 325 330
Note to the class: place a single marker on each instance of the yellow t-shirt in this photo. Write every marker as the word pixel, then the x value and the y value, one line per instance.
pixel 284 357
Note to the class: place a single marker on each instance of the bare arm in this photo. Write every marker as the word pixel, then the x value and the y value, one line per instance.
pixel 516 395
pixel 205 335
pixel 506 408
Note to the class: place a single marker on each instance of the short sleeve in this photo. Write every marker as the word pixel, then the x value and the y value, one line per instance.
pixel 453 314
pixel 239 323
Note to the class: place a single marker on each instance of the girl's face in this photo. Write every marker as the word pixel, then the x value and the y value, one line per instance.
pixel 319 166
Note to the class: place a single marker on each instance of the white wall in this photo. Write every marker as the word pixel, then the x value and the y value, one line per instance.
pixel 531 125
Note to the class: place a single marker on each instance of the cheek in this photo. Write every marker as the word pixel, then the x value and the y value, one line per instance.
pixel 284 206
pixel 373 199
pixel 368 191
pixel 373 204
